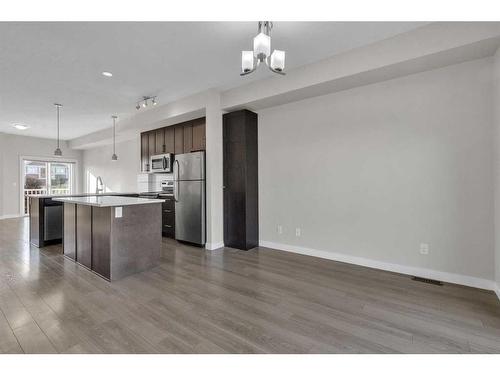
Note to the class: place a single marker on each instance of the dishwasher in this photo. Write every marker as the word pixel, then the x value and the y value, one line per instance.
pixel 53 218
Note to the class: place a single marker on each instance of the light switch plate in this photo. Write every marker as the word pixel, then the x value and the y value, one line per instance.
pixel 424 248
pixel 118 212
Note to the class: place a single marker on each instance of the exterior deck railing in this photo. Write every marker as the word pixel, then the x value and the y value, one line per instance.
pixel 55 191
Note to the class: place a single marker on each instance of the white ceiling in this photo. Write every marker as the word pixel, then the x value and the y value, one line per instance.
pixel 43 63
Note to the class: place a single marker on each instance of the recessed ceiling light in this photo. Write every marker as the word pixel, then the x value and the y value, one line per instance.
pixel 107 74
pixel 20 126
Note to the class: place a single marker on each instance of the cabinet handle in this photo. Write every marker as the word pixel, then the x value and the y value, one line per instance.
pixel 168 226
pixel 167 210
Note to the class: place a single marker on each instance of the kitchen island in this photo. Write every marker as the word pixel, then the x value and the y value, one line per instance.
pixel 46 216
pixel 113 236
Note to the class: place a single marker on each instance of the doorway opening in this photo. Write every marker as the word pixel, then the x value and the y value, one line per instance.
pixel 40 177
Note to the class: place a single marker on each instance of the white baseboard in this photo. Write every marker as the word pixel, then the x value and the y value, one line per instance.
pixel 13 216
pixel 214 246
pixel 454 278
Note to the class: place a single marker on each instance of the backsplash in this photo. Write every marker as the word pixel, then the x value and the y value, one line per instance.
pixel 149 182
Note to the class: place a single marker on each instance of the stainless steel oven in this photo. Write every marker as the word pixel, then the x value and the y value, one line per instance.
pixel 161 163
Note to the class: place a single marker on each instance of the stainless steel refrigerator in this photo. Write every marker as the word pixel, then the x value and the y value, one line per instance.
pixel 189 196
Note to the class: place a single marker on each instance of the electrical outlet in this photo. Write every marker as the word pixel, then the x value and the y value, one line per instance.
pixel 297 232
pixel 424 248
pixel 279 229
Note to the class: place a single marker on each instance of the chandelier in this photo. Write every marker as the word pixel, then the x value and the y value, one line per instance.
pixel 250 60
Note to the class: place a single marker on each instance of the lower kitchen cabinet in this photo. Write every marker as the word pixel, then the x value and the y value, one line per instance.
pixel 168 217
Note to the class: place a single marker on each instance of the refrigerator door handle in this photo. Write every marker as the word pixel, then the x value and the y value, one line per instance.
pixel 176 186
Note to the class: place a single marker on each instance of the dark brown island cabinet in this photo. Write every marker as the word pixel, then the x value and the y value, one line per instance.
pixel 180 138
pixel 45 221
pixel 112 236
pixel 241 196
pixel 46 217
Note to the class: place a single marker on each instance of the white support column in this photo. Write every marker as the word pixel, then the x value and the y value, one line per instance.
pixel 215 230
pixel 496 164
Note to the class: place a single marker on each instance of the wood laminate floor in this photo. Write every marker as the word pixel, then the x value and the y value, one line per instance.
pixel 229 301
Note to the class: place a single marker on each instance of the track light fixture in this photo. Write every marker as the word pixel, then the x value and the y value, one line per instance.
pixel 250 60
pixel 145 102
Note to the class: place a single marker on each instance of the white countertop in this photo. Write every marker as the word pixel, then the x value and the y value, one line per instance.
pixel 75 195
pixel 107 201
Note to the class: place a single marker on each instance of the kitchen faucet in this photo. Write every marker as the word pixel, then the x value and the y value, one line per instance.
pixel 99 186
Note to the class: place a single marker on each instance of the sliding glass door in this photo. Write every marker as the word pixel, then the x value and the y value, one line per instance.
pixel 46 177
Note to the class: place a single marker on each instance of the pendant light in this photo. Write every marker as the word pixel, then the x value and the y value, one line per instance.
pixel 58 151
pixel 114 157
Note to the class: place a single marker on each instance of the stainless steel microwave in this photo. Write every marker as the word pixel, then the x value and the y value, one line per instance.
pixel 161 163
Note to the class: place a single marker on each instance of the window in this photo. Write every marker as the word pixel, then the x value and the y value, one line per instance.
pixel 35 181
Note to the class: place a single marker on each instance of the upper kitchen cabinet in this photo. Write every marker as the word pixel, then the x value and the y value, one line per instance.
pixel 144 152
pixel 198 134
pixel 169 139
pixel 148 148
pixel 152 142
pixel 178 139
pixel 188 136
pixel 159 141
pixel 181 138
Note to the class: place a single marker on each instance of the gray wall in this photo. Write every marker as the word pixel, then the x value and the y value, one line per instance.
pixel 1 173
pixel 374 171
pixel 14 146
pixel 118 176
pixel 496 166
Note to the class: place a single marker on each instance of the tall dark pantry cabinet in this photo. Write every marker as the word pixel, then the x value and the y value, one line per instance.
pixel 241 186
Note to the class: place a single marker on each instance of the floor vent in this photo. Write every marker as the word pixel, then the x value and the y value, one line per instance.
pixel 427 281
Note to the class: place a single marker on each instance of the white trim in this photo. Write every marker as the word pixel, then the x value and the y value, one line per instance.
pixel 214 246
pixel 49 158
pixel 454 278
pixel 12 216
